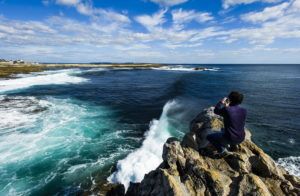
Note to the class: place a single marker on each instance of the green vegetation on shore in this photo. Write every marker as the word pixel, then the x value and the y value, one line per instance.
pixel 7 69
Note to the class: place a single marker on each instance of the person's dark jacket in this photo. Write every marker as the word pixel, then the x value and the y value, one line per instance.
pixel 234 121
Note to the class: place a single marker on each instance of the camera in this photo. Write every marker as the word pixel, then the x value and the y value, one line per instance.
pixel 226 100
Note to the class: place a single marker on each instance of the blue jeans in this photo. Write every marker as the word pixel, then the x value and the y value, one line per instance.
pixel 219 141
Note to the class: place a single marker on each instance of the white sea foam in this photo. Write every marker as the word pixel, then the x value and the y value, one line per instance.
pixel 96 69
pixel 212 69
pixel 292 141
pixel 18 145
pixel 33 131
pixel 291 164
pixel 184 68
pixel 57 77
pixel 148 157
pixel 19 112
pixel 174 68
pixel 30 127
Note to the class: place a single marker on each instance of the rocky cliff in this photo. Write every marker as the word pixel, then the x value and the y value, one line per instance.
pixel 188 168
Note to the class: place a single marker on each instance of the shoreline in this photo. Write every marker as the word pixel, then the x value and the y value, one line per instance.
pixel 8 69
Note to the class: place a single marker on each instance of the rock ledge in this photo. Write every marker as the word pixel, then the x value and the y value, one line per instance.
pixel 186 170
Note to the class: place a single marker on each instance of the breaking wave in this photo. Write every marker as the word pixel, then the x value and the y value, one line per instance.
pixel 138 163
pixel 184 68
pixel 172 121
pixel 291 164
pixel 43 78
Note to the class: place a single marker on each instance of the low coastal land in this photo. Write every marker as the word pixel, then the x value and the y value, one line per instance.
pixel 7 69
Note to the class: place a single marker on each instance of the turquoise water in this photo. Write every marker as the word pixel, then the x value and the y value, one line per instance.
pixel 60 144
pixel 63 131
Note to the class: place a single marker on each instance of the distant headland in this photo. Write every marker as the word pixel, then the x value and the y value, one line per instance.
pixel 8 68
pixel 11 67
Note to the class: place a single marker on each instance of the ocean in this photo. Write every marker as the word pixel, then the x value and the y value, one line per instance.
pixel 66 131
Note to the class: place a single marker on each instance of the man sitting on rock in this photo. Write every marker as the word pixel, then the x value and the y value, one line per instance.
pixel 234 118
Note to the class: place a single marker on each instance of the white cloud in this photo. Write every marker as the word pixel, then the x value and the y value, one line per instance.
pixel 107 35
pixel 184 16
pixel 230 3
pixel 112 16
pixel 295 6
pixel 168 3
pixel 287 27
pixel 175 34
pixel 68 2
pixel 208 32
pixel 59 31
pixel 83 7
pixel 272 23
pixel 187 45
pixel 7 29
pixel 267 14
pixel 86 8
pixel 151 21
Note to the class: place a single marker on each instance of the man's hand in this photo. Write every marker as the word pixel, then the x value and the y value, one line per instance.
pixel 225 101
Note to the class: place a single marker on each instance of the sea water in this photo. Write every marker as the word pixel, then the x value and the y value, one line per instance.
pixel 66 131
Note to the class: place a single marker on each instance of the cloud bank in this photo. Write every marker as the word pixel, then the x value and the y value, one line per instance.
pixel 168 35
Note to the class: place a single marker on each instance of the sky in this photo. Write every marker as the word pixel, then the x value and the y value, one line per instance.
pixel 151 31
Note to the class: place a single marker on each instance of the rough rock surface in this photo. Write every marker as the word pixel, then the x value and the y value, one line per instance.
pixel 189 169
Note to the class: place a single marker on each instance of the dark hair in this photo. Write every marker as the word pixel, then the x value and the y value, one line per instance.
pixel 235 98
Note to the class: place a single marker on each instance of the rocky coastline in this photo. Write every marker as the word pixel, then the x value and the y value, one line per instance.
pixel 188 168
pixel 10 68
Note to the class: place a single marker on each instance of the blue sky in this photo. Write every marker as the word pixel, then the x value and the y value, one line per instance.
pixel 158 31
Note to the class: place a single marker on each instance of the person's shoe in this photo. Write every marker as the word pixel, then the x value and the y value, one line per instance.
pixel 222 154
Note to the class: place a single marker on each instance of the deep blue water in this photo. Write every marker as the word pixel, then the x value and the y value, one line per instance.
pixel 66 132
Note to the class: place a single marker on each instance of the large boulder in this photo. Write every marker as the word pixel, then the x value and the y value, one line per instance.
pixel 188 168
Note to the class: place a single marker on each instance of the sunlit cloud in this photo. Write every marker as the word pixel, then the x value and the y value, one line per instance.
pixel 230 3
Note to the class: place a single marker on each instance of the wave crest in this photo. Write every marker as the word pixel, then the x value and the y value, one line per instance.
pixel 291 164
pixel 143 160
pixel 185 68
pixel 43 78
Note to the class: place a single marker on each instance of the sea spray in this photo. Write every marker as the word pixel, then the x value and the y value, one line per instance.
pixel 148 156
